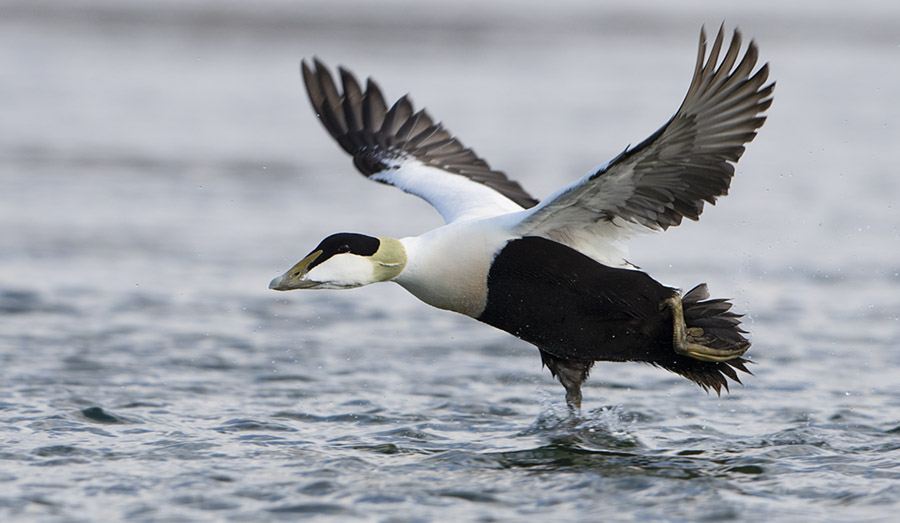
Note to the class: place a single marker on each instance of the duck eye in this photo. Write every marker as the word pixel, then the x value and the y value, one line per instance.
pixel 343 248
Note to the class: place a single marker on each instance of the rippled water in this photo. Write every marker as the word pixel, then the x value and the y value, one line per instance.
pixel 159 164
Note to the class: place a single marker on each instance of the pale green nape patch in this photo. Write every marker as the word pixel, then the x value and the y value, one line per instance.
pixel 390 259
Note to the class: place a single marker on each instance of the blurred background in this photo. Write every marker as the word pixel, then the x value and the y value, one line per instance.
pixel 160 163
pixel 107 105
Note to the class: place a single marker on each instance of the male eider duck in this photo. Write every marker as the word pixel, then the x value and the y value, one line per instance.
pixel 552 273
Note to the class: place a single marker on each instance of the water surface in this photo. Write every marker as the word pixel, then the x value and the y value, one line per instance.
pixel 159 164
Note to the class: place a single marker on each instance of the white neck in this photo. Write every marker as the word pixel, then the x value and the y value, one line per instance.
pixel 447 268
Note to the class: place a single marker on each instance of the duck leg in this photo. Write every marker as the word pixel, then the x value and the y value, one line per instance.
pixel 571 374
pixel 686 340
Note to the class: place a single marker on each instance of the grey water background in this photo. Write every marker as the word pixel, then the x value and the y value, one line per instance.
pixel 159 163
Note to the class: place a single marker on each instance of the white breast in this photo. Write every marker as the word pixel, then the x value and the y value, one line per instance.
pixel 448 267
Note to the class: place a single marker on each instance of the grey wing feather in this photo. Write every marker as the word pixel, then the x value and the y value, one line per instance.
pixel 687 162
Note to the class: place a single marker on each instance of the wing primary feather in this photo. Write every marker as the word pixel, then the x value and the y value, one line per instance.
pixel 331 98
pixel 723 73
pixel 396 117
pixel 415 125
pixel 701 54
pixel 713 58
pixel 374 111
pixel 352 102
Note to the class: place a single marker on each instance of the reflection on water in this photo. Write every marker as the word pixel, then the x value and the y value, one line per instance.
pixel 159 165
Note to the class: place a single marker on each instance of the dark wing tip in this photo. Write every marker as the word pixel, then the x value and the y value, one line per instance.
pixel 378 137
pixel 690 160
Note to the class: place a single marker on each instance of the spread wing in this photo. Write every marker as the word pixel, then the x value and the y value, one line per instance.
pixel 670 175
pixel 407 149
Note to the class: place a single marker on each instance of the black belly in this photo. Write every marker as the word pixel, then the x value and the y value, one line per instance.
pixel 575 308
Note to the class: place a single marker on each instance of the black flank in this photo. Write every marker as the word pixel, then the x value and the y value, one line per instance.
pixel 577 310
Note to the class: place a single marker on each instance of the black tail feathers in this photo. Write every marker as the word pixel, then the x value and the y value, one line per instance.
pixel 711 323
pixel 721 327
